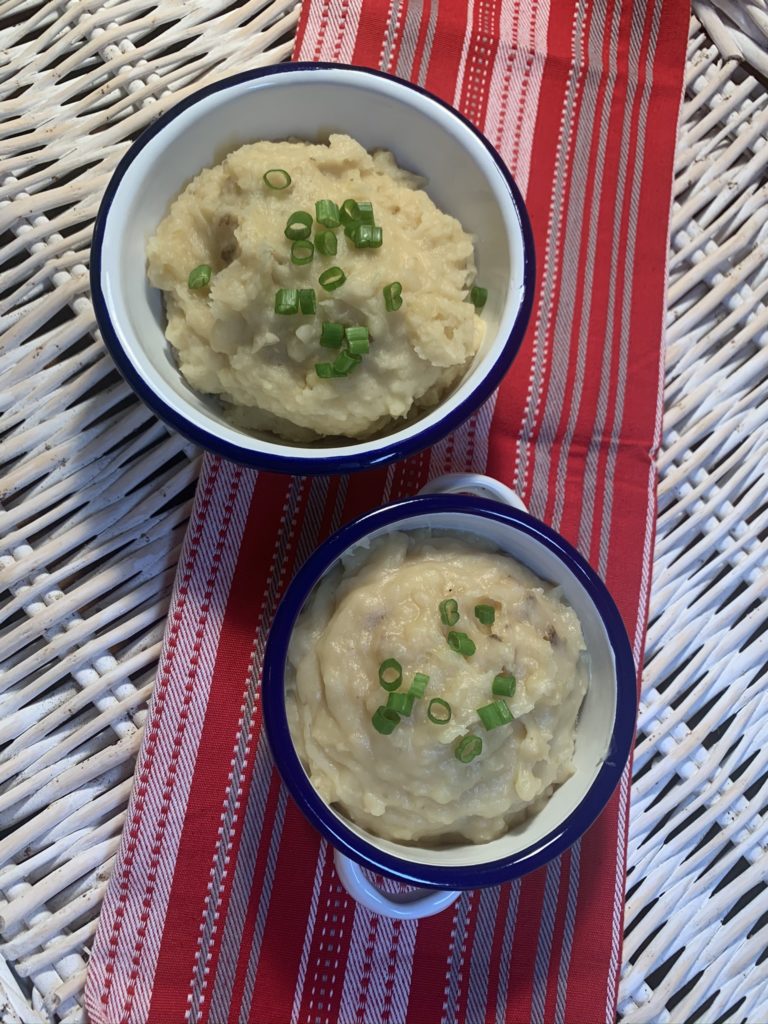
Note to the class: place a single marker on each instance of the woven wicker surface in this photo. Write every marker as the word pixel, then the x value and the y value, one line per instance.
pixel 95 494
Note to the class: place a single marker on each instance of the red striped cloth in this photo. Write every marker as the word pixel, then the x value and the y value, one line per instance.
pixel 224 904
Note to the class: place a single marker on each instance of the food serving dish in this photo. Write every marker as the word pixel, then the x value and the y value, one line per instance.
pixel 604 729
pixel 465 177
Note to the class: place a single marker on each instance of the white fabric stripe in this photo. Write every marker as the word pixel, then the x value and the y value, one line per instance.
pixel 544 945
pixel 627 295
pixel 357 958
pixel 586 524
pixel 618 899
pixel 570 928
pixel 398 1009
pixel 261 913
pixel 464 53
pixel 175 693
pixel 347 48
pixel 505 959
pixel 524 147
pixel 253 820
pixel 550 267
pixel 243 739
pixel 428 42
pixel 481 955
pixel 393 21
pixel 298 996
pixel 455 960
pixel 410 38
pixel 575 388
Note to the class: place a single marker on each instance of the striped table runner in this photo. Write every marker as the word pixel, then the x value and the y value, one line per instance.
pixel 224 905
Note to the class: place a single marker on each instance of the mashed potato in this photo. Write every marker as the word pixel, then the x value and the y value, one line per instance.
pixel 229 340
pixel 409 786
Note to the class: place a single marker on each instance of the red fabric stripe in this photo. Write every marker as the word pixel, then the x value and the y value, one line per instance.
pixel 254 898
pixel 446 49
pixel 287 917
pixel 524 946
pixel 198 840
pixel 433 939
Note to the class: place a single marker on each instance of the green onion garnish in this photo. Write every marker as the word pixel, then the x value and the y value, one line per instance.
pixel 307 300
pixel 287 300
pixel 439 711
pixel 299 226
pixel 331 335
pixel 199 277
pixel 302 252
pixel 393 296
pixel 494 715
pixel 419 685
pixel 332 278
pixel 366 236
pixel 365 213
pixel 324 370
pixel 449 612
pixel 402 703
pixel 385 720
pixel 461 643
pixel 478 296
pixel 344 362
pixel 390 674
pixel 325 243
pixel 468 748
pixel 277 178
pixel 485 613
pixel 327 213
pixel 349 212
pixel 357 340
pixel 504 685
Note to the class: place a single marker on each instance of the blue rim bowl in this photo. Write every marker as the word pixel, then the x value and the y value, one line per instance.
pixel 601 774
pixel 379 110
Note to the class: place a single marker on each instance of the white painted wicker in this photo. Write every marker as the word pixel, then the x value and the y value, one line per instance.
pixel 95 494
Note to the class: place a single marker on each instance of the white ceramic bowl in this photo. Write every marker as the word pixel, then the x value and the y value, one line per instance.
pixel 466 178
pixel 604 730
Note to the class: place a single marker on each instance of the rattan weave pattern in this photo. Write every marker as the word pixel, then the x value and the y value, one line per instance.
pixel 94 496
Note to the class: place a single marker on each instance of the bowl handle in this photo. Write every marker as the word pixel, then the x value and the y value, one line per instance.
pixel 477 483
pixel 404 906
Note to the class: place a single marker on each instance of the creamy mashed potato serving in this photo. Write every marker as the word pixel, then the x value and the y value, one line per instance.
pixel 433 687
pixel 316 289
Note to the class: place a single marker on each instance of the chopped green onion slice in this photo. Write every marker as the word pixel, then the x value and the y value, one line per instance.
pixel 365 213
pixel 357 340
pixel 419 685
pixel 299 226
pixel 332 279
pixel 461 643
pixel 302 252
pixel 449 612
pixel 331 335
pixel 495 714
pixel 478 296
pixel 327 213
pixel 349 212
pixel 199 277
pixel 390 674
pixel 385 720
pixel 485 613
pixel 345 362
pixel 504 685
pixel 324 370
pixel 402 703
pixel 439 711
pixel 287 300
pixel 366 236
pixel 277 178
pixel 393 296
pixel 468 748
pixel 307 300
pixel 325 243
